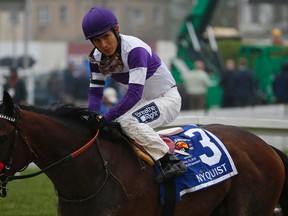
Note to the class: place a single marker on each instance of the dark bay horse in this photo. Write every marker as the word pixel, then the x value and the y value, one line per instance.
pixel 108 179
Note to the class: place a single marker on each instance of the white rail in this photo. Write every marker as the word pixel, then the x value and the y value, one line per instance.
pixel 267 127
pixel 269 122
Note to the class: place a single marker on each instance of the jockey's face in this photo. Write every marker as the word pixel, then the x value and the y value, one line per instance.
pixel 106 43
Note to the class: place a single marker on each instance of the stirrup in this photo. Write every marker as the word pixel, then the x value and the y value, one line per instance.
pixel 171 171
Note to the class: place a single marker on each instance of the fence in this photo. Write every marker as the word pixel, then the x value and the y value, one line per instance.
pixel 268 122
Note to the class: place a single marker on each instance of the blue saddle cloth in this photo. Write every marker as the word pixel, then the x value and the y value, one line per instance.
pixel 206 158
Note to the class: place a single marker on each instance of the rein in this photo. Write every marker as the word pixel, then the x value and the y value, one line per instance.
pixel 70 156
pixel 107 173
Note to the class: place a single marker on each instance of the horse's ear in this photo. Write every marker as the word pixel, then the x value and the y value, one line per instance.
pixel 8 104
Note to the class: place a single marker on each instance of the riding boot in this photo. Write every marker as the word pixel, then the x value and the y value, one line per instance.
pixel 171 167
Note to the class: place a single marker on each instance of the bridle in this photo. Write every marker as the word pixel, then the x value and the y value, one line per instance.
pixel 5 178
pixel 5 167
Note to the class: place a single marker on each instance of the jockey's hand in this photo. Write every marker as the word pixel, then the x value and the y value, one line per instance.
pixel 97 122
pixel 100 122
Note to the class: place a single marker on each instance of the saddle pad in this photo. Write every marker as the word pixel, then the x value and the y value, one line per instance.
pixel 206 158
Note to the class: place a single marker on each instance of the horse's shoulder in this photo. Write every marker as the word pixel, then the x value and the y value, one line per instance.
pixel 114 133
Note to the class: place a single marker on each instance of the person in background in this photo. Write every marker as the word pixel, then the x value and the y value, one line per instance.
pixel 280 85
pixel 277 37
pixel 54 86
pixel 81 84
pixel 197 83
pixel 16 87
pixel 69 82
pixel 109 99
pixel 151 100
pixel 244 85
pixel 227 83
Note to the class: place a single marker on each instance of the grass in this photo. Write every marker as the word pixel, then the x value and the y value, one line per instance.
pixel 30 197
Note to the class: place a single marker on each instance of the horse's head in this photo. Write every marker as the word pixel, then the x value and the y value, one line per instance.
pixel 14 153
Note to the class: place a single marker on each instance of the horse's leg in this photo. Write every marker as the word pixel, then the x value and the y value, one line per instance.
pixel 202 202
pixel 283 201
pixel 257 187
pixel 256 190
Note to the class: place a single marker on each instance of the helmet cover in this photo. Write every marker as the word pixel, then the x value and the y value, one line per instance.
pixel 97 21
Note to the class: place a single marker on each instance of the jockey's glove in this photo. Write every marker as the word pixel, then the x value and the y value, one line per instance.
pixel 100 122
pixel 96 122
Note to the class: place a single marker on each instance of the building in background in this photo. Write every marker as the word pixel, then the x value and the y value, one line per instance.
pixel 60 20
pixel 55 34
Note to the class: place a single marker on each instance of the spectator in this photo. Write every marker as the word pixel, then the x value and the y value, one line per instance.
pixel 227 83
pixel 109 99
pixel 69 81
pixel 280 85
pixel 16 87
pixel 197 83
pixel 81 87
pixel 244 85
pixel 54 88
pixel 277 37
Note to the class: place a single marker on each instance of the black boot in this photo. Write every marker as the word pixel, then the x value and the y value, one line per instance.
pixel 171 167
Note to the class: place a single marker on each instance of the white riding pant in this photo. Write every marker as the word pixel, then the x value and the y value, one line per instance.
pixel 138 123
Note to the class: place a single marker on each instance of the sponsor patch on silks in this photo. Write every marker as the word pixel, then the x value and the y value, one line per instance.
pixel 206 158
pixel 148 113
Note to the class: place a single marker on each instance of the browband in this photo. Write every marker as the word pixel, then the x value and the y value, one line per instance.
pixel 7 118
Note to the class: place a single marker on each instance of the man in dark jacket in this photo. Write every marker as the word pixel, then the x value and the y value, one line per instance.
pixel 228 84
pixel 280 85
pixel 16 87
pixel 244 85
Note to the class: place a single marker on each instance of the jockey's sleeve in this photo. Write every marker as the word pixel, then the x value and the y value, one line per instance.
pixel 96 87
pixel 95 99
pixel 132 96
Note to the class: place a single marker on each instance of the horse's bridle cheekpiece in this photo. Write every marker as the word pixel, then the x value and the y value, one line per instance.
pixel 11 119
pixel 4 167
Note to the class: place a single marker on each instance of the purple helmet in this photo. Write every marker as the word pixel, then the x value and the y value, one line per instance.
pixel 98 21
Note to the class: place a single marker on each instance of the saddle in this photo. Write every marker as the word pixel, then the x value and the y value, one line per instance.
pixel 143 154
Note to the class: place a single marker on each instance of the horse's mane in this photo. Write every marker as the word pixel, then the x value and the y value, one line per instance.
pixel 79 115
pixel 64 112
pixel 69 113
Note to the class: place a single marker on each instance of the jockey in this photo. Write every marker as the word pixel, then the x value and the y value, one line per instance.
pixel 152 98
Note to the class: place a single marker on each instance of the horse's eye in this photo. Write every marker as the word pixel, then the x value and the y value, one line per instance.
pixel 3 138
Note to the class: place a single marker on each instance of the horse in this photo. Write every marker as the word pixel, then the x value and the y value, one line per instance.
pixel 107 177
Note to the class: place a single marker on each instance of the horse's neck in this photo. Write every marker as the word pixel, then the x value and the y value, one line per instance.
pixel 82 176
pixel 51 141
pixel 48 138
